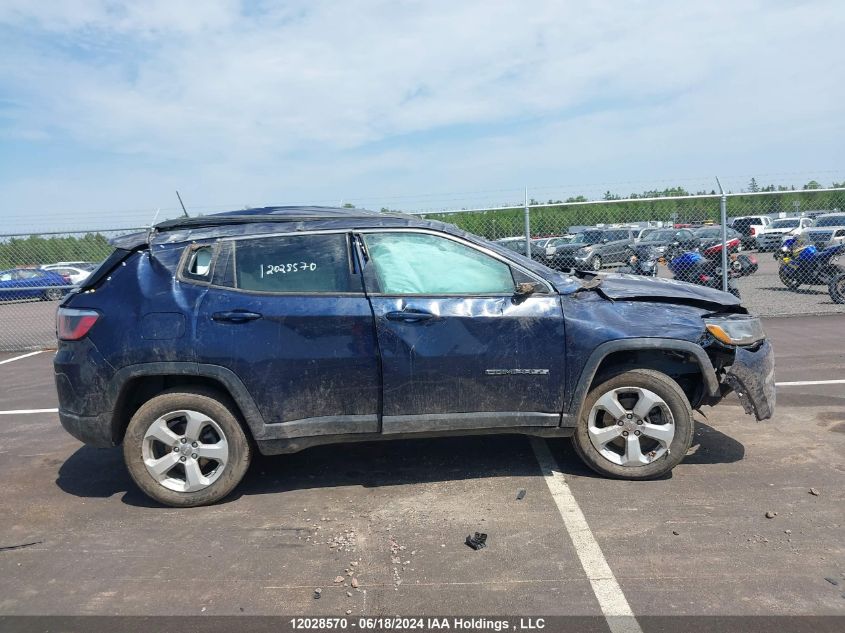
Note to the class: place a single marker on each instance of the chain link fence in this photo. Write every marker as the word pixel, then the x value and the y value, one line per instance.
pixel 36 271
pixel 782 250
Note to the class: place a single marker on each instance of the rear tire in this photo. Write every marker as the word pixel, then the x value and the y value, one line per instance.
pixel 788 279
pixel 185 448
pixel 836 288
pixel 650 441
pixel 52 294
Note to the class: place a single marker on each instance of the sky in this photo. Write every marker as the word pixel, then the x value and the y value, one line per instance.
pixel 107 107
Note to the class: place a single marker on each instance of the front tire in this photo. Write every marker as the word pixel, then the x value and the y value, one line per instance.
pixel 185 448
pixel 636 425
pixel 836 288
pixel 52 294
pixel 595 263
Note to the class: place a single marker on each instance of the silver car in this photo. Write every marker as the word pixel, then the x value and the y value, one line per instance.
pixel 771 237
pixel 828 230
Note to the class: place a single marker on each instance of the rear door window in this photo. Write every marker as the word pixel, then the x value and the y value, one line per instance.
pixel 317 263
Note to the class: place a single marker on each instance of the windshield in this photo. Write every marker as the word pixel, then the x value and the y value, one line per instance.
pixel 714 232
pixel 659 236
pixel 587 237
pixel 789 223
pixel 833 220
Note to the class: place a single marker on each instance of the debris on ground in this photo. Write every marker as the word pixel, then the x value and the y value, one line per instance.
pixel 771 515
pixel 7 548
pixel 339 579
pixel 344 542
pixel 477 542
pixel 317 593
pixel 814 492
pixel 676 533
pixel 787 531
pixel 520 495
pixel 832 581
pixel 348 594
pixel 354 583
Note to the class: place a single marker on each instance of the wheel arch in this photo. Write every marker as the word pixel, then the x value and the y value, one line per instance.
pixel 134 385
pixel 669 356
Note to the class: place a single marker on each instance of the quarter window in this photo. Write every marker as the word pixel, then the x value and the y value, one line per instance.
pixel 424 264
pixel 296 263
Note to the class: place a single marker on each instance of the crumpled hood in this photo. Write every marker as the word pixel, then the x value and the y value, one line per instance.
pixel 621 287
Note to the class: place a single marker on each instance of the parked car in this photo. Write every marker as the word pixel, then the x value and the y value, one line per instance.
pixel 710 243
pixel 639 234
pixel 515 244
pixel 828 230
pixel 551 247
pixel 771 238
pixel 292 327
pixel 76 273
pixel 32 283
pixel 664 243
pixel 749 226
pixel 593 248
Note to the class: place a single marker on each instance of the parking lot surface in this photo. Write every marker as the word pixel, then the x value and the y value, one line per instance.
pixel 77 538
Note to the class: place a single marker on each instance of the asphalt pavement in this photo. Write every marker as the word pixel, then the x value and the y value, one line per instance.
pixel 393 516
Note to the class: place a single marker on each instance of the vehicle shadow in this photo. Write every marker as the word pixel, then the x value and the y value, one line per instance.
pixel 100 473
pixel 709 446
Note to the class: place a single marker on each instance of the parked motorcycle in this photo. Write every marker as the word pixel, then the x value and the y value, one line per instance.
pixel 810 265
pixel 693 267
pixel 640 264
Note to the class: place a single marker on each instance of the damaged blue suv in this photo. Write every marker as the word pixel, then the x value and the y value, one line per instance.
pixel 276 329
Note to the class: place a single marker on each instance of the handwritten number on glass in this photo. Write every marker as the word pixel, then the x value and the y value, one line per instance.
pixel 296 267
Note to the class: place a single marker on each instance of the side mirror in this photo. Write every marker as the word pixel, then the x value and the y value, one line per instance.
pixel 525 289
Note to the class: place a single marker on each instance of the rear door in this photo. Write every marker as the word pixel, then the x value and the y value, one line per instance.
pixel 288 315
pixel 458 349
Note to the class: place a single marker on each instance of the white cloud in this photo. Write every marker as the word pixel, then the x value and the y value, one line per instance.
pixel 300 89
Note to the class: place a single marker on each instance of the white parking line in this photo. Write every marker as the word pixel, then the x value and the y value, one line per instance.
pixel 25 411
pixel 620 618
pixel 804 383
pixel 12 360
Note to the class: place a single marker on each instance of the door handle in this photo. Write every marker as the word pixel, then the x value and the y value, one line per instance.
pixel 235 316
pixel 409 316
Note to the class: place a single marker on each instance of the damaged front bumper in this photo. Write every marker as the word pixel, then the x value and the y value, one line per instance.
pixel 752 378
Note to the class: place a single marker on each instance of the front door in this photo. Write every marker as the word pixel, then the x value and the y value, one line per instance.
pixel 458 349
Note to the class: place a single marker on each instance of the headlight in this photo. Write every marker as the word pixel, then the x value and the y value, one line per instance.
pixel 736 330
pixel 583 251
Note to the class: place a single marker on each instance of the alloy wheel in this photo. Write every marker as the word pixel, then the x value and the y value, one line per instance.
pixel 631 426
pixel 185 451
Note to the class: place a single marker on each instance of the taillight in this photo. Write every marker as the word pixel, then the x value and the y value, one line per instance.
pixel 753 231
pixel 703 278
pixel 72 325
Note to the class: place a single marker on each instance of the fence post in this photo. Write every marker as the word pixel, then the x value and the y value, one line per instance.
pixel 723 209
pixel 527 227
